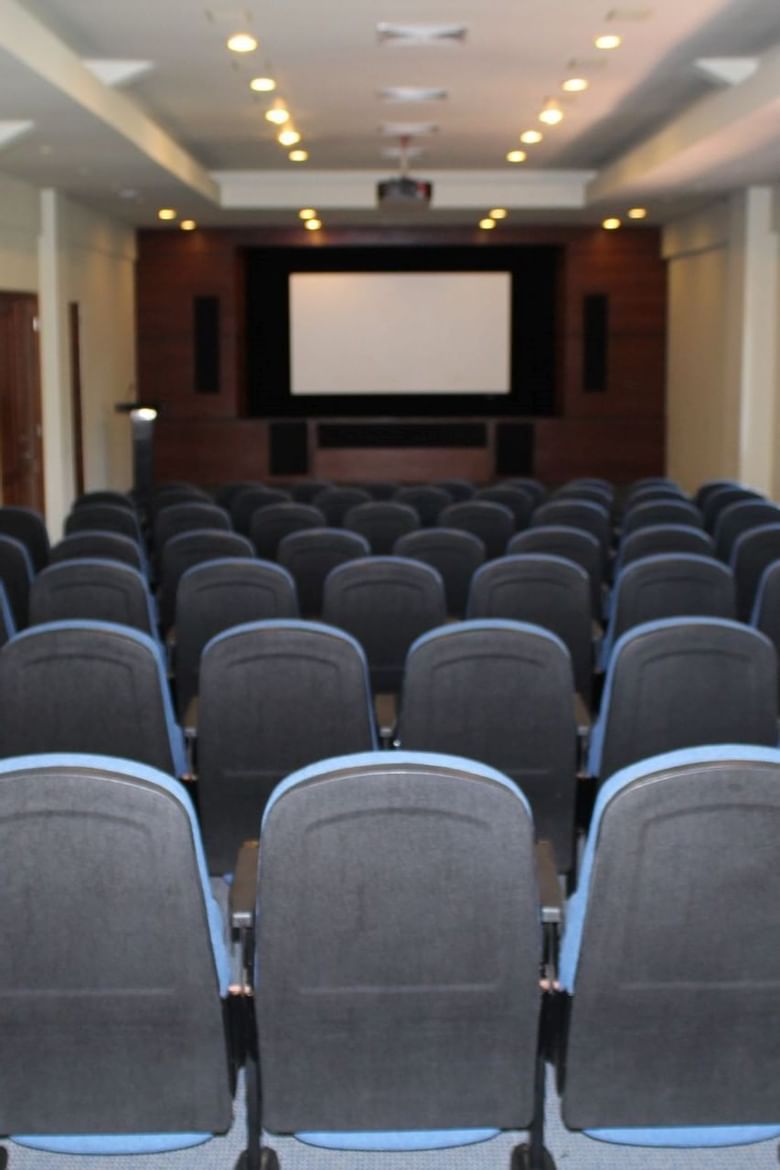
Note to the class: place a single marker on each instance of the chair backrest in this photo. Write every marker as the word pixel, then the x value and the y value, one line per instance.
pixel 684 682
pixel 274 696
pixel 28 526
pixel 709 487
pixel 500 692
pixel 382 522
pixel 766 608
pixel 16 574
pixel 425 864
pixel 379 489
pixel 385 603
pixel 532 487
pixel 663 538
pixel 103 518
pixel 246 502
pixel 740 517
pixel 596 492
pixel 583 514
pixel 269 525
pixel 166 495
pixel 493 523
pixel 186 517
pixel 335 502
pixel 191 548
pixel 99 590
pixel 559 540
pixel 428 501
pixel 305 491
pixel 545 591
pixel 718 500
pixel 111 546
pixel 86 686
pixel 118 499
pixel 7 623
pixel 669 585
pixel 457 489
pixel 311 555
pixel 653 512
pixel 678 886
pixel 227 492
pixel 216 595
pixel 649 492
pixel 453 552
pixel 750 555
pixel 519 502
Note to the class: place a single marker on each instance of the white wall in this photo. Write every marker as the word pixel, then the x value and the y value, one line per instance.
pixel 65 252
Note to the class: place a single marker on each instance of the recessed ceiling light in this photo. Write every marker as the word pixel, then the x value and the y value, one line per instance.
pixel 574 84
pixel 531 136
pixel 288 137
pixel 188 225
pixel 608 41
pixel 487 224
pixel 262 84
pixel 242 43
pixel 298 155
pixel 407 129
pixel 278 114
pixel 313 225
pixel 498 213
pixel 516 156
pixel 551 113
pixel 307 213
pixel 411 93
pixel 421 34
pixel 637 213
pixel 407 152
pixel 611 223
pixel 167 213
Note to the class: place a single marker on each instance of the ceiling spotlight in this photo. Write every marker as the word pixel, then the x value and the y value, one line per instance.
pixel 278 114
pixel 608 41
pixel 242 43
pixel 487 224
pixel 313 225
pixel 551 113
pixel 307 213
pixel 498 213
pixel 531 136
pixel 516 156
pixel 637 213
pixel 610 224
pixel 288 137
pixel 298 155
pixel 167 213
pixel 262 84
pixel 188 225
pixel 574 84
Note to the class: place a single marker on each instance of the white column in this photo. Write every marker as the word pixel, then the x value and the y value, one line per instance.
pixel 55 369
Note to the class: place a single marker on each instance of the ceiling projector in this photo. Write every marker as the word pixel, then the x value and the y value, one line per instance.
pixel 404 192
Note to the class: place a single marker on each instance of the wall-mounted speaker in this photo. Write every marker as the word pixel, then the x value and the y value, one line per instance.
pixel 205 344
pixel 514 448
pixel 595 334
pixel 289 448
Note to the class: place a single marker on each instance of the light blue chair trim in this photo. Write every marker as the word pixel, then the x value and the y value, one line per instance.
pixel 487 624
pixel 175 734
pixel 109 1143
pixel 750 532
pixel 109 532
pixel 348 566
pixel 403 1140
pixel 391 760
pixel 5 612
pixel 264 566
pixel 687 1137
pixel 168 784
pixel 525 557
pixel 630 569
pixel 758 604
pixel 599 727
pixel 118 566
pixel 304 626
pixel 707 540
pixel 577 905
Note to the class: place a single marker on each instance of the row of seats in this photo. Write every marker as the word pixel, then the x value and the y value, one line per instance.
pixel 402 954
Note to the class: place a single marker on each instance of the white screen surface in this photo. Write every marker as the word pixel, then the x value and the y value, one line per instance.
pixel 400 333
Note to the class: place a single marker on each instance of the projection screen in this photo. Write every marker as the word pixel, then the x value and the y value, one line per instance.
pixel 400 333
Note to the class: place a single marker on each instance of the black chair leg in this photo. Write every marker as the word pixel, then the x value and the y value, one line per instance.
pixel 533 1155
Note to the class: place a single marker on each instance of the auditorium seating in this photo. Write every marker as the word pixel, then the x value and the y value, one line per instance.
pixel 118 499
pixel 191 548
pixel 245 503
pixel 310 555
pixel 305 491
pixel 766 608
pixel 519 502
pixel 662 538
pixel 98 590
pixel 652 512
pixel 177 518
pixel 670 960
pixel 493 523
pixel 335 502
pixel 269 525
pixel 26 525
pixel 738 518
pixel 574 513
pixel 751 553
pixel 114 1008
pixel 111 546
pixel 560 540
pixel 381 522
pixel 274 696
pixel 721 499
pixel 16 574
pixel 455 554
pixel 103 518
pixel 428 502
pixel 457 489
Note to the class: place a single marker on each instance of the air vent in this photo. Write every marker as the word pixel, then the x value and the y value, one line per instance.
pixel 421 34
pixel 232 17
pixel 629 14
pixel 407 129
pixel 395 152
pixel 411 93
pixel 586 64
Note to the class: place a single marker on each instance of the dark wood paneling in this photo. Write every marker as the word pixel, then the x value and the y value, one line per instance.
pixel 211 450
pixel 620 449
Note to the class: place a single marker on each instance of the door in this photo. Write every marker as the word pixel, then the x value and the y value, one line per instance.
pixel 20 401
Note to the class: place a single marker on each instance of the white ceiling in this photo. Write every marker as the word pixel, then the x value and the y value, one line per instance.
pixel 189 133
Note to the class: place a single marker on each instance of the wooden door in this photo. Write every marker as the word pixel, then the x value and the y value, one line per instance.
pixel 20 401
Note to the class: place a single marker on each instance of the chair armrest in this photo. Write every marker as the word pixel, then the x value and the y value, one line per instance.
pixel 550 894
pixel 243 891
